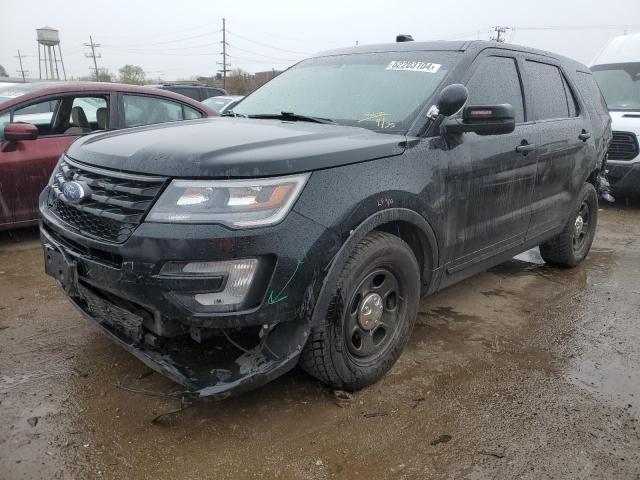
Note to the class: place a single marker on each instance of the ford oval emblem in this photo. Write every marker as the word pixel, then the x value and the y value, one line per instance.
pixel 74 192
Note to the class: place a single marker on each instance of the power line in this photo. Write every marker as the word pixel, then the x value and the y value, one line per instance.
pixel 267 45
pixel 163 42
pixel 188 47
pixel 581 27
pixel 262 55
pixel 161 53
pixel 262 62
pixel 162 34
pixel 319 42
pixel 93 55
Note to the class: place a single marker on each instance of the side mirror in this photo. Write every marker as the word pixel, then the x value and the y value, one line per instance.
pixel 452 98
pixel 14 132
pixel 483 120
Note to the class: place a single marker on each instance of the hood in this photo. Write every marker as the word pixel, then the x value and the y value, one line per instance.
pixel 625 122
pixel 233 147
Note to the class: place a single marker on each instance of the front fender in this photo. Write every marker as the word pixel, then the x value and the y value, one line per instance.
pixel 356 235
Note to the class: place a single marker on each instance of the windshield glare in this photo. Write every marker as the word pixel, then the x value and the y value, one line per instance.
pixel 378 91
pixel 620 85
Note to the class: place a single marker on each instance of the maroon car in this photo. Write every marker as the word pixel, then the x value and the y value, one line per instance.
pixel 38 121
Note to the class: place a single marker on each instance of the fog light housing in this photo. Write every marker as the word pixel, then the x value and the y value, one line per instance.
pixel 239 273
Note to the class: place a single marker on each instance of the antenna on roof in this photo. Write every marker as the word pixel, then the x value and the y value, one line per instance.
pixel 404 38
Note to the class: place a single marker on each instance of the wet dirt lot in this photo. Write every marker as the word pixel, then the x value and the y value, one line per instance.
pixel 525 371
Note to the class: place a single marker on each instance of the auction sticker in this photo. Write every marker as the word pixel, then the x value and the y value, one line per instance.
pixel 409 66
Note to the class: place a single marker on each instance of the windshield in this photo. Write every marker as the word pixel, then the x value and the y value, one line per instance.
pixel 620 85
pixel 379 91
pixel 13 90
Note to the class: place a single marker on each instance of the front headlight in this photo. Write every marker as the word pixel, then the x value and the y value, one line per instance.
pixel 235 203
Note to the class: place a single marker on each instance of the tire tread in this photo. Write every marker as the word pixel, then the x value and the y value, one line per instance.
pixel 316 358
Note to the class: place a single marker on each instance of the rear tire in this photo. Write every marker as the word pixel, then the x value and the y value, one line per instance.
pixel 370 317
pixel 572 245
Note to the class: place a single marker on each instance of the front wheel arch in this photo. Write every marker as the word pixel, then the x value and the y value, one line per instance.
pixel 389 220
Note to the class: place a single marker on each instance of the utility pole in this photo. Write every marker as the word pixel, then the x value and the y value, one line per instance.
pixel 500 31
pixel 22 71
pixel 224 63
pixel 93 55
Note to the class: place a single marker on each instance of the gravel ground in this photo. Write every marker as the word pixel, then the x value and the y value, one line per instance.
pixel 524 371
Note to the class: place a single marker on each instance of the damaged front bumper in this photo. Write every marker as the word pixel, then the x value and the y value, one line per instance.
pixel 276 355
pixel 121 289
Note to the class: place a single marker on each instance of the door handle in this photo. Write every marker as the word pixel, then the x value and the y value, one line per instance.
pixel 524 148
pixel 584 136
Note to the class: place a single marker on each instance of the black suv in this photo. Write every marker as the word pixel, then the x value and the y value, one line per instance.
pixel 305 225
pixel 197 91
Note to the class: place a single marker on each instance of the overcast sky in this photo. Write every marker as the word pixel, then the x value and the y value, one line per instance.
pixel 177 39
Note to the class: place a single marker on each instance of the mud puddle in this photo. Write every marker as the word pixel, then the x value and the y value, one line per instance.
pixel 524 371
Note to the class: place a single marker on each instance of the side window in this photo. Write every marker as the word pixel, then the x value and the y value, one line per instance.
pixel 571 100
pixel 496 81
pixel 144 110
pixel 39 114
pixel 80 115
pixel 191 113
pixel 546 91
pixel 592 92
pixel 90 107
pixel 5 117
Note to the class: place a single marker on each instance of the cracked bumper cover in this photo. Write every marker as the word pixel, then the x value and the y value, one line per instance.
pixel 252 369
pixel 150 302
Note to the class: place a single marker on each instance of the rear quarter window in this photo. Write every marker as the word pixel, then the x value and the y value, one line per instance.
pixel 591 92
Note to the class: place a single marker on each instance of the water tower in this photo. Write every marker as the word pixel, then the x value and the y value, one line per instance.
pixel 49 39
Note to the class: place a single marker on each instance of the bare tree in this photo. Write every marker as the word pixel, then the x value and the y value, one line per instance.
pixel 239 82
pixel 104 75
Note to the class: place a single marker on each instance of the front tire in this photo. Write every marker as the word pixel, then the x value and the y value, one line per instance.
pixel 572 245
pixel 371 315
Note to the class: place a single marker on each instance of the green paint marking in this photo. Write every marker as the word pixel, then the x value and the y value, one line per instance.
pixel 279 297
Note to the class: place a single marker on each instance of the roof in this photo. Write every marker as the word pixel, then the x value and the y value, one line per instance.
pixel 28 91
pixel 440 45
pixel 399 47
pixel 622 49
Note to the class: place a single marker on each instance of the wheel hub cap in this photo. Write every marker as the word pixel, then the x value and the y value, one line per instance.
pixel 579 224
pixel 370 311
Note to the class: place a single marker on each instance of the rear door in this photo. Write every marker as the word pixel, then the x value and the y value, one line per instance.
pixel 492 192
pixel 594 103
pixel 565 143
pixel 136 110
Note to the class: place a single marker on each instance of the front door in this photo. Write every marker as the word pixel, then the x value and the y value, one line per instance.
pixel 25 166
pixel 491 177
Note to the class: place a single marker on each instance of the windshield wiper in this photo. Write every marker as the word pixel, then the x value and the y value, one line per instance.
pixel 293 117
pixel 231 113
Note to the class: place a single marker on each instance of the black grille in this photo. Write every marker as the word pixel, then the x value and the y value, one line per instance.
pixel 624 146
pixel 115 204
